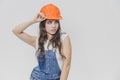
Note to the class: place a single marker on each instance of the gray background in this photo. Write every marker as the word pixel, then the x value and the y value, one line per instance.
pixel 94 29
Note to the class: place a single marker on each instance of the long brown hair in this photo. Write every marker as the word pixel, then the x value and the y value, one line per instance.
pixel 55 41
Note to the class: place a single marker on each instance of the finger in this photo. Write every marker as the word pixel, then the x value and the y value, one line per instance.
pixel 43 19
pixel 37 16
pixel 42 15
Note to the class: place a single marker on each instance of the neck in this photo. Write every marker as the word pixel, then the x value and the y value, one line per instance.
pixel 49 36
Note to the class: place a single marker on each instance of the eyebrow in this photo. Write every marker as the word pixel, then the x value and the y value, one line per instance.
pixel 53 21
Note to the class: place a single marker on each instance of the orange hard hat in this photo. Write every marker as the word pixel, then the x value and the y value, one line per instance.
pixel 51 11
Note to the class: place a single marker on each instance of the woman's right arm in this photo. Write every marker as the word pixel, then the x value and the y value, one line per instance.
pixel 19 30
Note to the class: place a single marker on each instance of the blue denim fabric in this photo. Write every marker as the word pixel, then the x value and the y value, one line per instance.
pixel 47 70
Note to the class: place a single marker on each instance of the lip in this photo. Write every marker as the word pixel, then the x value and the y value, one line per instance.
pixel 53 30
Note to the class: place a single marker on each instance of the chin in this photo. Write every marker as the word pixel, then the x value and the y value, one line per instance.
pixel 52 32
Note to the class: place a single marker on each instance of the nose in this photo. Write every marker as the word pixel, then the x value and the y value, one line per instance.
pixel 53 24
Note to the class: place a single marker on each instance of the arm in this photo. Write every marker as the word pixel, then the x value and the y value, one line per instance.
pixel 67 51
pixel 19 30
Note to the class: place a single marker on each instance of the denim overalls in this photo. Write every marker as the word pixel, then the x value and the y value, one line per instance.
pixel 47 70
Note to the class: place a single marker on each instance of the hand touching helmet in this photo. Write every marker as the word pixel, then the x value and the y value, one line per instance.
pixel 39 17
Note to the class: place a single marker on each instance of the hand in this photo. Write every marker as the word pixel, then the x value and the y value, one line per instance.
pixel 39 17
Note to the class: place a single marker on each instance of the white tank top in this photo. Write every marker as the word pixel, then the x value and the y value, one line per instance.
pixel 58 56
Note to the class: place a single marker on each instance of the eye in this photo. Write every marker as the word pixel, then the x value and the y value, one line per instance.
pixel 56 21
pixel 49 22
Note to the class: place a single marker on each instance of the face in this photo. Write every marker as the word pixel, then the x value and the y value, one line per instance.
pixel 51 26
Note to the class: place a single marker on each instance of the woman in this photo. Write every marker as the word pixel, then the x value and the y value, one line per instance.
pixel 53 47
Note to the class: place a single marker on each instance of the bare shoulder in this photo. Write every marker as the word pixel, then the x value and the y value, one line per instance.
pixel 66 41
pixel 64 37
pixel 66 45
